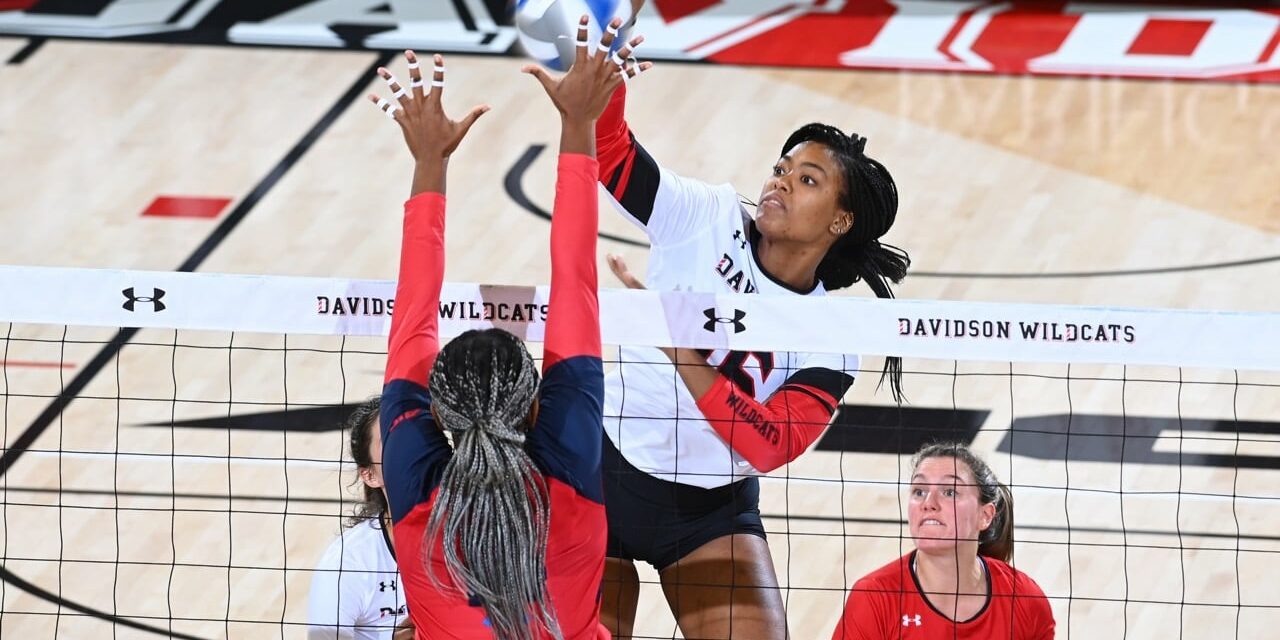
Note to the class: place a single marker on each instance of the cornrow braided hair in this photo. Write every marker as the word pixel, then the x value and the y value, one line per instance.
pixel 492 507
pixel 361 423
pixel 871 197
pixel 996 541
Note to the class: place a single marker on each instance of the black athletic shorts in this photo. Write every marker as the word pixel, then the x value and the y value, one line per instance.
pixel 659 522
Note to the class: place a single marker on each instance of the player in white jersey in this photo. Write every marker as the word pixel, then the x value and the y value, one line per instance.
pixel 682 457
pixel 355 589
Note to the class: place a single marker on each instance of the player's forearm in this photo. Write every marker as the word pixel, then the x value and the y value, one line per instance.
pixel 768 434
pixel 613 137
pixel 429 176
pixel 414 340
pixel 577 135
pixel 573 320
pixel 697 375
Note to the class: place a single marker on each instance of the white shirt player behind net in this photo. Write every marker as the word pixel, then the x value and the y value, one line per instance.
pixel 355 590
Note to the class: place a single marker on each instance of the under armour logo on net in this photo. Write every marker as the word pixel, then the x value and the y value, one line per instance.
pixel 154 299
pixel 908 620
pixel 713 320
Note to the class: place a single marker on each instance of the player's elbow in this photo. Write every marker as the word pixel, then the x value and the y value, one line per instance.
pixel 766 462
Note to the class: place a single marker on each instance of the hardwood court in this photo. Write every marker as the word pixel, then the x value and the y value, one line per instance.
pixel 998 175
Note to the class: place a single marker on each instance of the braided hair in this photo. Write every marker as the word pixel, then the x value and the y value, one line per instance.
pixel 492 509
pixel 871 197
pixel 362 422
pixel 996 541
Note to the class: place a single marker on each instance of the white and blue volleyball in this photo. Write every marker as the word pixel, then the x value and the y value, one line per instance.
pixel 547 29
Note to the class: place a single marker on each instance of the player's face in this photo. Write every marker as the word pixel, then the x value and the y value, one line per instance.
pixel 944 506
pixel 800 201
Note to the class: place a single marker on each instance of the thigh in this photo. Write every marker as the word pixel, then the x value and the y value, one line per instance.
pixel 620 593
pixel 726 588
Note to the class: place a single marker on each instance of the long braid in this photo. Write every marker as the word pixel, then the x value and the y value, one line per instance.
pixel 871 197
pixel 492 507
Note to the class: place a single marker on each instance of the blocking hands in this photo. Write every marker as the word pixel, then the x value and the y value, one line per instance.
pixel 428 131
pixel 583 93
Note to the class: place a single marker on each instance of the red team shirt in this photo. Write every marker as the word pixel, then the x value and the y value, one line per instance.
pixel 886 604
pixel 564 444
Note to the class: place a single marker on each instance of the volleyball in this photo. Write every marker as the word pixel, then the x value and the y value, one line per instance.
pixel 547 29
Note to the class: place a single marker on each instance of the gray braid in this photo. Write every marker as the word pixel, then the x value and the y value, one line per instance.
pixel 492 506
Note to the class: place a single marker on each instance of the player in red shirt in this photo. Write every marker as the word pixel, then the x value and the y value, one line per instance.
pixel 502 534
pixel 956 584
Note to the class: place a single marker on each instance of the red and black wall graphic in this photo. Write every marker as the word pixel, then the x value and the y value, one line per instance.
pixel 1172 39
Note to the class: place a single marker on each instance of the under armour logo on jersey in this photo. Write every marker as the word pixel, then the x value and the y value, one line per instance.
pixel 383 586
pixel 713 320
pixel 908 620
pixel 742 240
pixel 154 299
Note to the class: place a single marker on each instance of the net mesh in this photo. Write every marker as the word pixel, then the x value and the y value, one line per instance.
pixel 185 483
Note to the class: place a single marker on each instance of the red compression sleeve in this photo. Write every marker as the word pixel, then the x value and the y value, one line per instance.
pixel 415 334
pixel 573 319
pixel 772 433
pixel 614 144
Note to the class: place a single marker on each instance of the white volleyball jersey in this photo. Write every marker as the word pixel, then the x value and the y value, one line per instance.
pixel 700 242
pixel 355 590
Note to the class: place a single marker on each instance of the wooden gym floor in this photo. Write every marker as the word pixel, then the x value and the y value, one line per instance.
pixel 1000 176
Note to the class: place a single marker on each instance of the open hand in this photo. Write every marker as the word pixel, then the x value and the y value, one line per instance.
pixel 428 131
pixel 583 93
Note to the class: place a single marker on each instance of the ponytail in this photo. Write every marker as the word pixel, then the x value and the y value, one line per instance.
pixel 492 510
pixel 996 541
pixel 871 197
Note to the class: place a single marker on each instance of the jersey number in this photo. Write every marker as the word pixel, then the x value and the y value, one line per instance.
pixel 734 367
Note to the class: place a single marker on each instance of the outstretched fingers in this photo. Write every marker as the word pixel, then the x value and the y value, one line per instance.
pixel 607 38
pixel 415 75
pixel 471 118
pixel 548 83
pixel 397 90
pixel 580 44
pixel 631 69
pixel 437 77
pixel 622 55
pixel 386 106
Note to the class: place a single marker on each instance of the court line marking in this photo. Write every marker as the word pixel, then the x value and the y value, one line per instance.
pixel 515 190
pixel 27 50
pixel 109 351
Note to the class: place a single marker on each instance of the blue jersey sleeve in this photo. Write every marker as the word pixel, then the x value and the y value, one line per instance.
pixel 414 450
pixel 565 442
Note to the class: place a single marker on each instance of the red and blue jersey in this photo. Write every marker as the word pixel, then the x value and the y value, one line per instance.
pixel 564 443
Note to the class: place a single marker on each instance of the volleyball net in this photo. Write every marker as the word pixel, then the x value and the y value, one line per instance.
pixel 174 462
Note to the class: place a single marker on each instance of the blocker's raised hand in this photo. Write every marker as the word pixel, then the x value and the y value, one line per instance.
pixel 428 130
pixel 583 92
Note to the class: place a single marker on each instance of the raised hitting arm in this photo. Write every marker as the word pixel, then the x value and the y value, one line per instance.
pixel 573 325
